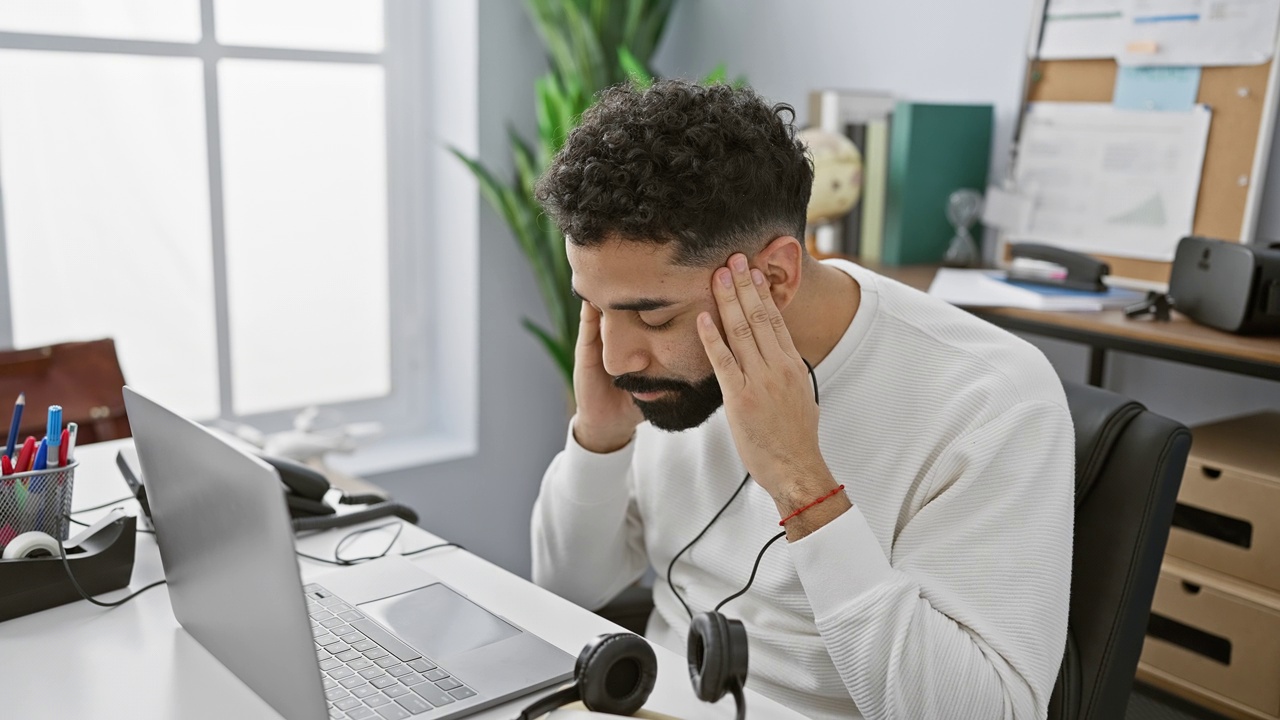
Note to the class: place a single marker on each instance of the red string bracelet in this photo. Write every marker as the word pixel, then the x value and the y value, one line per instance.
pixel 783 522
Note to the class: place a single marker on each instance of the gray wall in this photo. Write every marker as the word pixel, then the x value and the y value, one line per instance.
pixel 939 51
pixel 484 502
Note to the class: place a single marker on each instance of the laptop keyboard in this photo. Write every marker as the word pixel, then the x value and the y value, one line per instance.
pixel 367 671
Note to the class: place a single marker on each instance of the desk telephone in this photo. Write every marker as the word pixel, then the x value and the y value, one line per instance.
pixel 305 491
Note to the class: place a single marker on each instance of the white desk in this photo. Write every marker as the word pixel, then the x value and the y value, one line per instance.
pixel 84 661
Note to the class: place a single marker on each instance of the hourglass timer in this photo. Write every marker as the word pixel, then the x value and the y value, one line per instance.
pixel 964 207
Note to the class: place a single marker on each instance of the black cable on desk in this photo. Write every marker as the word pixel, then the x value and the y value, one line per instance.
pixel 99 507
pixel 437 546
pixel 62 553
pixel 85 524
pixel 341 561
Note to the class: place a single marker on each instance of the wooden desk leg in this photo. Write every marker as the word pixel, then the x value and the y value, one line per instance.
pixel 1097 365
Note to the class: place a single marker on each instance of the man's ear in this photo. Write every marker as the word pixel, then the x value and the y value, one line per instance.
pixel 781 261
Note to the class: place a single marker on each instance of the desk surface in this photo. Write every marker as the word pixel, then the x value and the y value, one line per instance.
pixel 1180 339
pixel 83 661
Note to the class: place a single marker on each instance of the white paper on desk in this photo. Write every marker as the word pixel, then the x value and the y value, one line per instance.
pixel 1077 29
pixel 1110 181
pixel 1199 32
pixel 985 288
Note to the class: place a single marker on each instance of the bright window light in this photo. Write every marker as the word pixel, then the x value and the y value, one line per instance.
pixel 106 206
pixel 169 20
pixel 346 25
pixel 304 167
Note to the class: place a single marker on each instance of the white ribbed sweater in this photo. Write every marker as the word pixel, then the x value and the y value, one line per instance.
pixel 941 594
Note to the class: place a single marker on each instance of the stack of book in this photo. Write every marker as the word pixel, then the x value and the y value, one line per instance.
pixel 914 155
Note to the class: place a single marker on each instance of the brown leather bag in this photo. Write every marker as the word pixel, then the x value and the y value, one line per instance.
pixel 83 377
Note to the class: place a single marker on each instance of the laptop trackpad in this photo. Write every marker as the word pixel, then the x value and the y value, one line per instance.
pixel 438 621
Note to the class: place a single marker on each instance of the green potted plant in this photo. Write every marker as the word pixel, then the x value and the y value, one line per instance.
pixel 592 44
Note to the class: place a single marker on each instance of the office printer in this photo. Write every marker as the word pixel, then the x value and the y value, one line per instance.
pixel 1227 285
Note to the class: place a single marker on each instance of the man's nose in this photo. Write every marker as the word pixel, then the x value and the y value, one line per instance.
pixel 624 351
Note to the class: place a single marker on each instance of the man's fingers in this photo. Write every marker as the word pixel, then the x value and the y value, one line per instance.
pixel 780 331
pixel 723 362
pixel 737 328
pixel 589 351
pixel 589 328
pixel 753 308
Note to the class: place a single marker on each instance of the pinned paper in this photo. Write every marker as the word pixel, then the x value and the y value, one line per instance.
pixel 1007 210
pixel 1203 33
pixel 1078 29
pixel 1157 88
pixel 1112 181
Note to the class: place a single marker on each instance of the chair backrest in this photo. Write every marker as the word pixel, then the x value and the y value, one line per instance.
pixel 1129 464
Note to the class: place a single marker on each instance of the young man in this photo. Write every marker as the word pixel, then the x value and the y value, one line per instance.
pixel 932 580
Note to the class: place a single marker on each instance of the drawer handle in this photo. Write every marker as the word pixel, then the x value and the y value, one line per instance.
pixel 1190 588
pixel 1214 647
pixel 1211 473
pixel 1214 525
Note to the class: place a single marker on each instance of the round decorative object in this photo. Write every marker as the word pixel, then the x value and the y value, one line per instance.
pixel 837 174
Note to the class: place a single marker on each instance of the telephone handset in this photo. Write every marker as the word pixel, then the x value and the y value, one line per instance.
pixel 305 489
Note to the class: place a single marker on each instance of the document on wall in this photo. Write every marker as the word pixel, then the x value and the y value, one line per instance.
pixel 1199 32
pixel 1078 29
pixel 1111 181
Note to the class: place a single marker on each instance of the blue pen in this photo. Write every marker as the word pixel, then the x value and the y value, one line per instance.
pixel 42 457
pixel 53 434
pixel 13 426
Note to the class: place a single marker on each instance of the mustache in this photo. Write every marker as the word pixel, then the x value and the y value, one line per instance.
pixel 641 384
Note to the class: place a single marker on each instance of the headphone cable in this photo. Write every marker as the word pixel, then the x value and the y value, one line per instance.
pixel 671 567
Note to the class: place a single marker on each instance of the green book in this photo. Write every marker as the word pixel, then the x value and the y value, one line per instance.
pixel 934 150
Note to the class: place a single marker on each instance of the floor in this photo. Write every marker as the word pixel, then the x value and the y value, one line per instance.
pixel 1149 703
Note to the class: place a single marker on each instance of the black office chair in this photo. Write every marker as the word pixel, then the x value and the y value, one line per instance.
pixel 1129 464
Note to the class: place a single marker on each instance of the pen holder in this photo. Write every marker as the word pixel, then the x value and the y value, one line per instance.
pixel 36 500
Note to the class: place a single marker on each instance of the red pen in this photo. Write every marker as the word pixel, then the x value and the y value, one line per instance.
pixel 6 467
pixel 62 449
pixel 26 455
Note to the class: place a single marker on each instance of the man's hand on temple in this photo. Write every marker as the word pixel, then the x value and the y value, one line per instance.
pixel 607 417
pixel 768 397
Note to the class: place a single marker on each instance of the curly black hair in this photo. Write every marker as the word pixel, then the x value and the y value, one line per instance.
pixel 714 169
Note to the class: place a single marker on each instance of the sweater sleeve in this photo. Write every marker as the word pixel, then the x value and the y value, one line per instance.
pixel 964 613
pixel 588 538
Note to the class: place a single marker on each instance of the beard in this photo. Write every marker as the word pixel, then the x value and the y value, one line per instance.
pixel 686 406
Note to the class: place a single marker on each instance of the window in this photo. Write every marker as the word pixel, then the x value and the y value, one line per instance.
pixel 243 194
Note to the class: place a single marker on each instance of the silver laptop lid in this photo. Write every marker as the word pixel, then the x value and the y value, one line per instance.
pixel 228 554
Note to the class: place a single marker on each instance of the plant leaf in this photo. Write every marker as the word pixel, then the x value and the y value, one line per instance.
pixel 560 352
pixel 636 72
pixel 718 76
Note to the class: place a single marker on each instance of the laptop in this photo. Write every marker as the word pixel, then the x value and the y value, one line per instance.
pixel 383 639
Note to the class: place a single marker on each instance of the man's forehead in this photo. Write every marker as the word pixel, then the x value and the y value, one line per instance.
pixel 624 270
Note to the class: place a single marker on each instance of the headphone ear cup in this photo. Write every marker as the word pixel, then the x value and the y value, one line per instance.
pixel 717 654
pixel 615 673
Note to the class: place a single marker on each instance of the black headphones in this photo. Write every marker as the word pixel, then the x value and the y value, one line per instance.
pixel 717 653
pixel 614 674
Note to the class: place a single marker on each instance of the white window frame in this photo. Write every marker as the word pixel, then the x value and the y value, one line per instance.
pixel 431 65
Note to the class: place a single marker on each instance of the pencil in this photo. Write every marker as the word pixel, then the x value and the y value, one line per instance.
pixel 13 426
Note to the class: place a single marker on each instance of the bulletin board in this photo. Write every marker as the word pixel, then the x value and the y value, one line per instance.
pixel 1235 162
